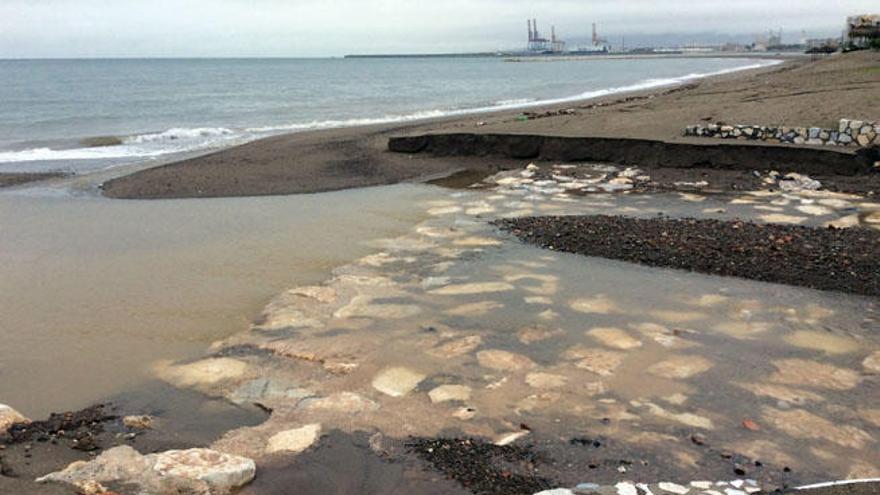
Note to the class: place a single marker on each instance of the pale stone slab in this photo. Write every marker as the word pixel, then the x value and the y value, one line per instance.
pixel 397 382
pixel 614 337
pixel 802 424
pixel 872 362
pixel 473 288
pixel 509 438
pixel 9 417
pixel 680 368
pixel 445 393
pixel 503 360
pixel 475 309
pixel 598 305
pixel 295 440
pixel 599 361
pixel 364 307
pixel 222 472
pixel 822 341
pixel 203 372
pixel 457 347
pixel 174 471
pixel 812 374
pixel 546 380
pixel 673 488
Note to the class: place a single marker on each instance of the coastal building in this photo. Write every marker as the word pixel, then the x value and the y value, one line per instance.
pixel 863 30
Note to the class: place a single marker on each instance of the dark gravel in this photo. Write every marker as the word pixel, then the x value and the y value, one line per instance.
pixel 484 468
pixel 846 260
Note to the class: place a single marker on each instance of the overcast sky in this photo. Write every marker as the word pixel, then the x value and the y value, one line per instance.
pixel 169 28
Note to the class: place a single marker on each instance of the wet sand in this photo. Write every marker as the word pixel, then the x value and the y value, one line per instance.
pixel 798 93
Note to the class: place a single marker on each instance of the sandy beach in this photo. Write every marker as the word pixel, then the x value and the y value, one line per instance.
pixel 796 93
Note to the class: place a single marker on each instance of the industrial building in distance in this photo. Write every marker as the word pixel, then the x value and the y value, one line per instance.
pixel 860 32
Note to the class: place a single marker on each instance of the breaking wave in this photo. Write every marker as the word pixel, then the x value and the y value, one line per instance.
pixel 179 134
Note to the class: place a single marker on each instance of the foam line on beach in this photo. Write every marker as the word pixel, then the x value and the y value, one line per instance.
pixel 513 104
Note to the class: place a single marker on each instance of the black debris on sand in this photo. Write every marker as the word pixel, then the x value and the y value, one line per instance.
pixel 482 467
pixel 846 260
pixel 79 427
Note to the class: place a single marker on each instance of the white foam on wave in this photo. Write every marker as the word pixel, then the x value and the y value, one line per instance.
pixel 47 154
pixel 333 124
pixel 179 134
pixel 138 146
pixel 179 140
pixel 515 101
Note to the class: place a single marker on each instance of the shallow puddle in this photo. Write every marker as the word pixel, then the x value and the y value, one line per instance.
pixel 93 291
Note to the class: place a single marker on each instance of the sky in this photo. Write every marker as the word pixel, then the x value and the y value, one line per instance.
pixel 309 28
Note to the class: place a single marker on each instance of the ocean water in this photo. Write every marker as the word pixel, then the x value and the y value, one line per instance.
pixel 82 115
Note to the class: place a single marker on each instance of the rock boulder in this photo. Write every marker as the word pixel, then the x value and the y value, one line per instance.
pixel 178 472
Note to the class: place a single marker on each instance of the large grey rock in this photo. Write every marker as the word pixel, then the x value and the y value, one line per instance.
pixel 221 472
pixel 177 472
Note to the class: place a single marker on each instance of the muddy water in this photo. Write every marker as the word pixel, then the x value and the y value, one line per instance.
pixel 94 291
pixel 454 327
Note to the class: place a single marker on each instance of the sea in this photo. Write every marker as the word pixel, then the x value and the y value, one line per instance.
pixel 85 115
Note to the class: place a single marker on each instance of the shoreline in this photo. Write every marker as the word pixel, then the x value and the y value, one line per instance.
pixel 245 135
pixel 346 157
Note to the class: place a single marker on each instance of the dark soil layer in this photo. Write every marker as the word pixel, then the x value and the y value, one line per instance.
pixel 846 260
pixel 484 468
pixel 641 152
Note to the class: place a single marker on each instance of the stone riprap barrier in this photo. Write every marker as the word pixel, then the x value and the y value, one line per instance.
pixel 857 133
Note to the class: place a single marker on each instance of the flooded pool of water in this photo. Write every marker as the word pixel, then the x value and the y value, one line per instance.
pixel 456 327
pixel 402 311
pixel 93 291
